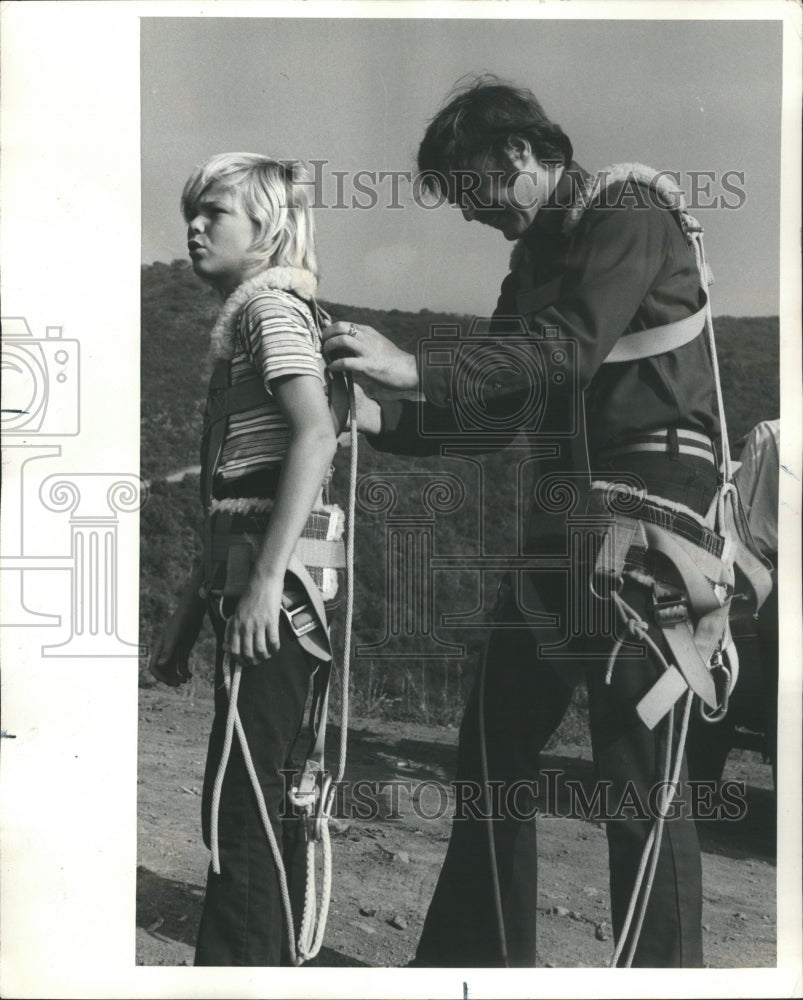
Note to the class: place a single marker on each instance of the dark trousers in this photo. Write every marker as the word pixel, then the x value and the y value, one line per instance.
pixel 526 693
pixel 243 920
pixel 525 699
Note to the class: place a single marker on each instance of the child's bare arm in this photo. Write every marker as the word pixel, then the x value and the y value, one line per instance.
pixel 253 631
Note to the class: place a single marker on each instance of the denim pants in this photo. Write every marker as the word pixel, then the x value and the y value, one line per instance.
pixel 524 698
pixel 243 922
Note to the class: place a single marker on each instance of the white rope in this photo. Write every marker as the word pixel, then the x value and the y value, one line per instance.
pixel 652 847
pixel 232 681
pixel 645 857
pixel 307 952
pixel 232 688
pixel 658 829
pixel 349 613
pixel 702 267
pixel 306 933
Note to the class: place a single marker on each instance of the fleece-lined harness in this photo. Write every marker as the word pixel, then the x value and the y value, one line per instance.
pixel 233 530
pixel 696 567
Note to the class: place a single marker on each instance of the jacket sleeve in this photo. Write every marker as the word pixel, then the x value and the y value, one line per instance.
pixel 402 424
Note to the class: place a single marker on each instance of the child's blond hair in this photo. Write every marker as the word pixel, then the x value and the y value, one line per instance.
pixel 275 194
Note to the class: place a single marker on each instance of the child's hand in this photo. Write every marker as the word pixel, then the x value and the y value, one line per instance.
pixel 252 632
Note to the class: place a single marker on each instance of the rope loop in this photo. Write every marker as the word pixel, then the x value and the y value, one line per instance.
pixel 607 591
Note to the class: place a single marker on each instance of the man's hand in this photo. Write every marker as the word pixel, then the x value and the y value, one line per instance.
pixel 350 347
pixel 369 416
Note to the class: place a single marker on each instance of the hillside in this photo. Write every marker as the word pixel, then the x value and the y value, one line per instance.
pixel 177 313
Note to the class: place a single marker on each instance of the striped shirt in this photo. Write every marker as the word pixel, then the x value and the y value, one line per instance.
pixel 276 336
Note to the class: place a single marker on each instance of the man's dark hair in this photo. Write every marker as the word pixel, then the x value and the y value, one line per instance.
pixel 477 123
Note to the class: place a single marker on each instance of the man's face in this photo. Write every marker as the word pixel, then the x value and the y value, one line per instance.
pixel 219 237
pixel 507 192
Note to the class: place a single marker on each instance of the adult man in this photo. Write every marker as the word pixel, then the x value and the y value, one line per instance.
pixel 591 269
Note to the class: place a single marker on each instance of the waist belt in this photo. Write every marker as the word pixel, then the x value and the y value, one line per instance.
pixel 617 500
pixel 671 442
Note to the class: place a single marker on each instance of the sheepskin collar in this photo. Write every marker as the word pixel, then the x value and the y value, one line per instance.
pixel 666 192
pixel 586 188
pixel 288 279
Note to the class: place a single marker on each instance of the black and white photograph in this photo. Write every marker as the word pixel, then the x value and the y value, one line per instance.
pixel 401 511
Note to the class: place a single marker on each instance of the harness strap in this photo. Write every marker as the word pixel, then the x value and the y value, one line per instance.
pixel 630 346
pixel 696 572
pixel 659 700
pixel 699 570
pixel 316 639
pixel 657 340
pixel 321 552
pixel 224 400
pixel 680 638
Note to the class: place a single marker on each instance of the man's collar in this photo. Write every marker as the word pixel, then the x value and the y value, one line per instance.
pixel 550 217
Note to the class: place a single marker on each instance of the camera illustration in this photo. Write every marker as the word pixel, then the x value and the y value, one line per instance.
pixel 39 380
pixel 502 380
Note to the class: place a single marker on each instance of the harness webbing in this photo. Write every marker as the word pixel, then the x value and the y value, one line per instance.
pixel 658 339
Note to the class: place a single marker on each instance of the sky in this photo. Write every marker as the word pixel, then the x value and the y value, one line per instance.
pixel 699 97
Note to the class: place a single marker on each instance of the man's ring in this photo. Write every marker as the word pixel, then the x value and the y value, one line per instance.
pixel 352 330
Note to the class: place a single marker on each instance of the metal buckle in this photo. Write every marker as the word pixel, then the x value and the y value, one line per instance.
pixel 303 794
pixel 670 609
pixel 315 795
pixel 299 630
pixel 325 803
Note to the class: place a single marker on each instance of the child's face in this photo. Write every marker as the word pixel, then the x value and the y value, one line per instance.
pixel 219 236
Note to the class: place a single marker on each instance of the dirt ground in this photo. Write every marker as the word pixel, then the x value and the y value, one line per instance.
pixel 385 868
